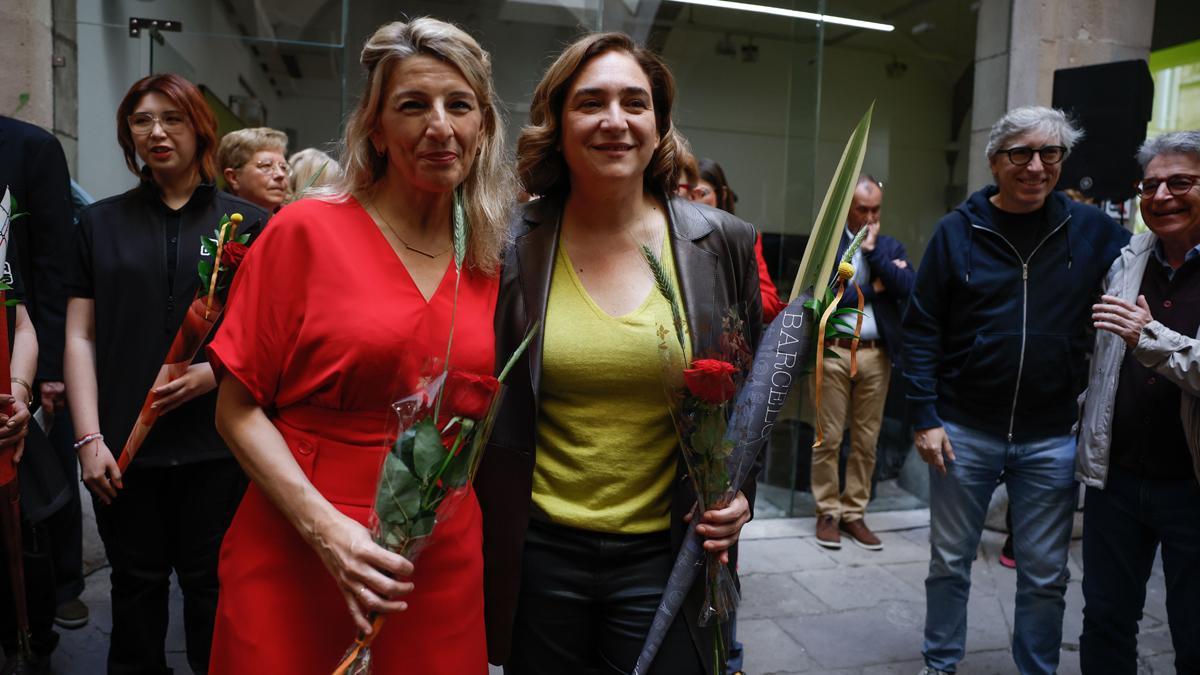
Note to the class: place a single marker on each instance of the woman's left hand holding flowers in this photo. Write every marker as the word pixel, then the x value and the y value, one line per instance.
pixel 14 426
pixel 722 527
pixel 198 380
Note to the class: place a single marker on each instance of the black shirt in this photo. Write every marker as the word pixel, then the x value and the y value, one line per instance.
pixel 1023 230
pixel 137 258
pixel 1147 431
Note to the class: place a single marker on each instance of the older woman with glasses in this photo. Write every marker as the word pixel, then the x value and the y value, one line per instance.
pixel 995 344
pixel 134 278
pixel 253 163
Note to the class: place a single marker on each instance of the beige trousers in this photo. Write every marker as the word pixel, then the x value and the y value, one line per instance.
pixel 857 403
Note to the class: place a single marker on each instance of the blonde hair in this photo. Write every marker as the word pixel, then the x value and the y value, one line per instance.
pixel 540 163
pixel 237 147
pixel 488 187
pixel 305 164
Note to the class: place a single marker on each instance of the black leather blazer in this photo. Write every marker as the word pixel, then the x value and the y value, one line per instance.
pixel 717 270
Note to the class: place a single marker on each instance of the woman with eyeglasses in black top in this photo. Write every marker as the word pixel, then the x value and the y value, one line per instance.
pixel 134 278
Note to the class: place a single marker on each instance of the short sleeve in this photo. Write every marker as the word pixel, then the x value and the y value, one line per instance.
pixel 79 277
pixel 265 309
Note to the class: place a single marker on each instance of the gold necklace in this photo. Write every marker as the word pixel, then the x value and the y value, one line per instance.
pixel 407 245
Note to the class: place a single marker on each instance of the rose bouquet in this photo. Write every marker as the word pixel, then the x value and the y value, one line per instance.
pixel 779 361
pixel 699 398
pixel 227 248
pixel 427 472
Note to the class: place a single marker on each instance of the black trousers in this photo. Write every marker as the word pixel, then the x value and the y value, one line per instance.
pixel 166 519
pixel 39 593
pixel 66 526
pixel 587 601
pixel 1123 526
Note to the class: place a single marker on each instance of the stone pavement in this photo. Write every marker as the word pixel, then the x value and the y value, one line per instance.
pixel 804 609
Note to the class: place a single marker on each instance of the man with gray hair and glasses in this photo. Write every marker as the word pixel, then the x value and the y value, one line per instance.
pixel 1139 441
pixel 995 340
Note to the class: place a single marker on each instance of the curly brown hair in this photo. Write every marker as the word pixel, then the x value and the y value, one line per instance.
pixel 540 164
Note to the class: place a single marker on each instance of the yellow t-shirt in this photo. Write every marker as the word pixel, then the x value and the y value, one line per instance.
pixel 606 446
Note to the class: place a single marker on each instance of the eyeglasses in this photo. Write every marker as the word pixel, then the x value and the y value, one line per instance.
pixel 1177 185
pixel 267 167
pixel 172 121
pixel 1022 155
pixel 683 189
pixel 701 192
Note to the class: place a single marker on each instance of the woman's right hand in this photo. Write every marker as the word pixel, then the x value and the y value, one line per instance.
pixel 100 472
pixel 366 573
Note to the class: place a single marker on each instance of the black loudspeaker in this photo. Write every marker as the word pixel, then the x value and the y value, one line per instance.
pixel 1113 103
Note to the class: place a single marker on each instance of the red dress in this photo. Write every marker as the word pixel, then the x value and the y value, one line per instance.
pixel 323 325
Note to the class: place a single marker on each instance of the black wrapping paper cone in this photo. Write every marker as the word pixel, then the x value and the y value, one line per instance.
pixel 778 364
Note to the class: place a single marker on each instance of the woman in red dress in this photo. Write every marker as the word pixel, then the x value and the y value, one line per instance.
pixel 329 312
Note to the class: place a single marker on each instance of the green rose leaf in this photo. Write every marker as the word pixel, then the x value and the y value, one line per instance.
pixel 428 451
pixel 399 497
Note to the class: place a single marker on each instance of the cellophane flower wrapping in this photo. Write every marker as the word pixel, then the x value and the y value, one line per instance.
pixel 427 471
pixel 701 396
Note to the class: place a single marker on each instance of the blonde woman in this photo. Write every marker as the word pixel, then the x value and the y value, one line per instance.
pixel 311 171
pixel 252 162
pixel 309 370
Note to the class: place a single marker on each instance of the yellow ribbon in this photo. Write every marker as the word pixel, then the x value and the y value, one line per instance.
pixel 845 273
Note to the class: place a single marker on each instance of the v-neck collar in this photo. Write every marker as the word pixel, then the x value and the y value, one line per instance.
pixel 398 261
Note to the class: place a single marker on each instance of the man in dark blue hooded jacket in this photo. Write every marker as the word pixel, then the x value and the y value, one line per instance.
pixel 995 340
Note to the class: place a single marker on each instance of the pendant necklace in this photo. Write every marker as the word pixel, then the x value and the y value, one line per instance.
pixel 407 245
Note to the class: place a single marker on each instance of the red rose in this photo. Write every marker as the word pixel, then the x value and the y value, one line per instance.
pixel 710 380
pixel 232 254
pixel 469 395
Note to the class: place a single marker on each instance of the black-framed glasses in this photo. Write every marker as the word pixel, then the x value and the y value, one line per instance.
pixel 141 123
pixel 1022 155
pixel 1177 185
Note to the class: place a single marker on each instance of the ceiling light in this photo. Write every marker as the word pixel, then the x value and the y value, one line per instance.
pixel 790 13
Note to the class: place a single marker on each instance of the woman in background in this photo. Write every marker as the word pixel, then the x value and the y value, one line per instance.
pixel 711 188
pixel 134 278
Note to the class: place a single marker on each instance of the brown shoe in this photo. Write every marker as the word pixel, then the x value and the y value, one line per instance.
pixel 827 532
pixel 861 534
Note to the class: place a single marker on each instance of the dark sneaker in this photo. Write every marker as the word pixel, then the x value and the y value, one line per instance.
pixel 930 670
pixel 71 614
pixel 1006 554
pixel 861 534
pixel 827 532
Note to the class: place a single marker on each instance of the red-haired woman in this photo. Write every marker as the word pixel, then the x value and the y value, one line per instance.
pixel 134 277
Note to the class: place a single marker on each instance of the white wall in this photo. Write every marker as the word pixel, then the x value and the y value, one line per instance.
pixel 756 120
pixel 110 61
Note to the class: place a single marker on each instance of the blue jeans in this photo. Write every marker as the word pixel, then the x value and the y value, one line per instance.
pixel 1123 526
pixel 1042 493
